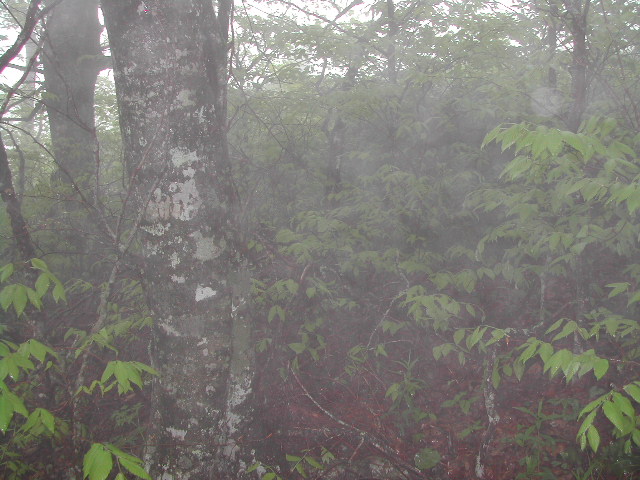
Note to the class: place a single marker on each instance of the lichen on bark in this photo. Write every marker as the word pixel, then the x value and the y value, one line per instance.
pixel 167 65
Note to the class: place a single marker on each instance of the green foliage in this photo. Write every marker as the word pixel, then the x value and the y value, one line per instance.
pixel 578 189
pixel 98 463
pixel 426 459
pixel 21 367
pixel 123 373
pixel 19 296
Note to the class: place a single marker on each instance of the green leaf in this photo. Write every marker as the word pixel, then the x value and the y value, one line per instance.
pixel 588 421
pixel 518 369
pixel 380 350
pixel 274 311
pixel 314 463
pixel 299 467
pixel 33 348
pixel 592 405
pixel 635 298
pixel 134 467
pixel 530 351
pixel 624 404
pixel 6 412
pixel 475 337
pixel 298 347
pixel 108 372
pixel 39 264
pixel 426 458
pixel 496 335
pixel 567 330
pixel 594 438
pixel 556 325
pixel 437 352
pixel 6 272
pixel 34 298
pixel 59 293
pixel 292 458
pixel 600 367
pixel 47 419
pixel 42 284
pixel 633 202
pixel 495 377
pixel 6 296
pixel 269 476
pixel 545 351
pixel 633 390
pixel 20 299
pixel 18 404
pixel 458 336
pixel 492 135
pixel 618 288
pixel 575 141
pixel 97 463
pixel 613 413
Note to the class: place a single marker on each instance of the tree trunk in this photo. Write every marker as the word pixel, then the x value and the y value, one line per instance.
pixel 578 14
pixel 71 60
pixel 170 61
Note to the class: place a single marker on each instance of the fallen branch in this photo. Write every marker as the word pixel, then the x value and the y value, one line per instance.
pixel 365 436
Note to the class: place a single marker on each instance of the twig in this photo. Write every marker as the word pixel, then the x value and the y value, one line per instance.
pixel 365 436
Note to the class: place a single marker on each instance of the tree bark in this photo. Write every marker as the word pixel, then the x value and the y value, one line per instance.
pixel 578 14
pixel 170 59
pixel 72 59
pixel 19 226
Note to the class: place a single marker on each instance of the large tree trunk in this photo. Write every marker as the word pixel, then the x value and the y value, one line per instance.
pixel 71 60
pixel 169 63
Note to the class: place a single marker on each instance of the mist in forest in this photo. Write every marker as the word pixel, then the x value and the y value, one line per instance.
pixel 325 240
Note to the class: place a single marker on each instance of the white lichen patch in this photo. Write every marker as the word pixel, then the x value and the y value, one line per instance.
pixel 186 200
pixel 156 229
pixel 184 97
pixel 206 249
pixel 189 172
pixel 175 260
pixel 181 53
pixel 151 249
pixel 240 391
pixel 204 341
pixel 200 115
pixel 169 330
pixel 180 157
pixel 203 293
pixel 177 433
pixel 177 279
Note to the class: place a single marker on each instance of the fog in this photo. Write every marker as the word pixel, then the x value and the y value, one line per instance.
pixel 325 239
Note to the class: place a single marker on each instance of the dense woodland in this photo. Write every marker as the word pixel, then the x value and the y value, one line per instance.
pixel 321 239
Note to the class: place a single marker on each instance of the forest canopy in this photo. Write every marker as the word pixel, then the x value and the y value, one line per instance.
pixel 330 239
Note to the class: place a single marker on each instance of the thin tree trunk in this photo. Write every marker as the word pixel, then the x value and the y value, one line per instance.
pixel 578 14
pixel 19 226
